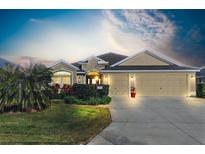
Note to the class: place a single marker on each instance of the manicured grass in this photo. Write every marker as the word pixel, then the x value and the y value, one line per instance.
pixel 59 124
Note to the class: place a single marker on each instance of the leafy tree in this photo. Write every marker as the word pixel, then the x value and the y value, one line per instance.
pixel 26 87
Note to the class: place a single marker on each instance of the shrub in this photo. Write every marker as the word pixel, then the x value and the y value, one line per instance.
pixel 86 91
pixel 59 93
pixel 54 93
pixel 105 100
pixel 104 91
pixel 67 89
pixel 99 100
pixel 90 101
pixel 71 100
pixel 26 87
pixel 56 87
pixel 200 90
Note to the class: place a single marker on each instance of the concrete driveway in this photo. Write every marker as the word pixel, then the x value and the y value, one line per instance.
pixel 155 120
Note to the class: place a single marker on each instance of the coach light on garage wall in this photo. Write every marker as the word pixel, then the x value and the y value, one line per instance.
pixel 132 80
pixel 132 77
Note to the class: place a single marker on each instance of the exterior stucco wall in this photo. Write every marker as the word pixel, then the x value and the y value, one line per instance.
pixel 152 84
pixel 143 60
pixel 92 65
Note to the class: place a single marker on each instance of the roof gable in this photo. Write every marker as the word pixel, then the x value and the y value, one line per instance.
pixel 147 57
pixel 63 63
pixel 144 59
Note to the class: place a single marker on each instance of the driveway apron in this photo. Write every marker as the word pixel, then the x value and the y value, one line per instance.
pixel 154 121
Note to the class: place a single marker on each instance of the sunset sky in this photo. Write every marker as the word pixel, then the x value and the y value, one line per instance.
pixel 73 35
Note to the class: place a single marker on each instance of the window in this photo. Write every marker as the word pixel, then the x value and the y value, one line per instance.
pixel 62 78
pixel 66 80
pixel 57 79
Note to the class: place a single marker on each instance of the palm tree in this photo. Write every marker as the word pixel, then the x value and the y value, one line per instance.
pixel 25 87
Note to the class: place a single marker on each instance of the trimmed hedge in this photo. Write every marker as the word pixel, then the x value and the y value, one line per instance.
pixel 91 101
pixel 200 90
pixel 86 91
pixel 104 91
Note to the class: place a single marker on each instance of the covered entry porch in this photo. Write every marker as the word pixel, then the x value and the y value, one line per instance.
pixel 93 77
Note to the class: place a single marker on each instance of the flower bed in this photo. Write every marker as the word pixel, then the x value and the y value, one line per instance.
pixel 83 94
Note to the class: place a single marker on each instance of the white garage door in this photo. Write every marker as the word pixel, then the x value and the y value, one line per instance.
pixel 119 84
pixel 161 84
pixel 150 84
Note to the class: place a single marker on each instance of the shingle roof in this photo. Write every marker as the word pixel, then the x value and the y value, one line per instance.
pixel 109 57
pixel 112 57
pixel 140 68
pixel 76 64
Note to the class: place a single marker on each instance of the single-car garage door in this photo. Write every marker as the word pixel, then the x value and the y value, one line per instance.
pixel 150 84
pixel 119 84
pixel 161 84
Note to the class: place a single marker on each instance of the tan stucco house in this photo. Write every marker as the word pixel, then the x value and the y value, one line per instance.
pixel 150 72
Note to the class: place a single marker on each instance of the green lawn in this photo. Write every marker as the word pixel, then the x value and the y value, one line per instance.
pixel 59 124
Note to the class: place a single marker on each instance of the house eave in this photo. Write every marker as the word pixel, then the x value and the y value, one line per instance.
pixel 148 71
pixel 102 62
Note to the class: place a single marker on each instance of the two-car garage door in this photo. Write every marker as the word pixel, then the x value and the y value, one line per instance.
pixel 150 84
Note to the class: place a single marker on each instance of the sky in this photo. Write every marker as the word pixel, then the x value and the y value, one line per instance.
pixel 73 35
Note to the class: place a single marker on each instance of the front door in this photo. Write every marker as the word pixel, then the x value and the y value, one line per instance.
pixel 92 79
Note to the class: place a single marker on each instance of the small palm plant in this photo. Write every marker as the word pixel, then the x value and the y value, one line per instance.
pixel 28 88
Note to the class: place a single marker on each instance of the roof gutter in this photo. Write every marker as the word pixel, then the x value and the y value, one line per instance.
pixel 131 71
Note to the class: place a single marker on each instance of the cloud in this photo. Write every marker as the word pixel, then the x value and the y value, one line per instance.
pixel 134 29
pixel 26 60
pixel 38 21
pixel 122 31
pixel 110 16
pixel 195 34
pixel 150 24
pixel 58 40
